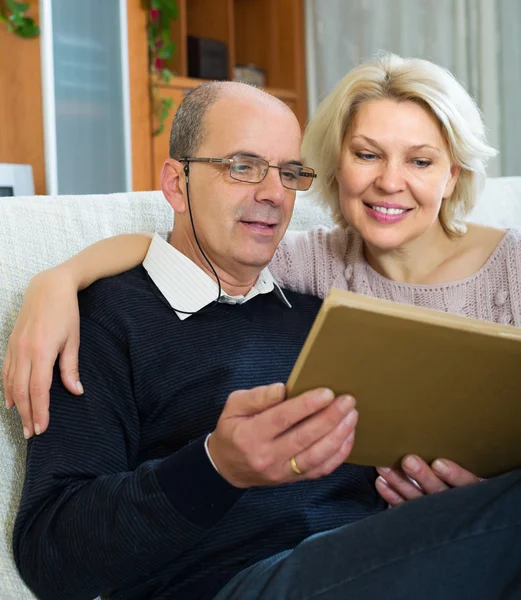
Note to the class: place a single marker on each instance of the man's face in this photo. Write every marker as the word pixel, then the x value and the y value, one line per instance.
pixel 239 224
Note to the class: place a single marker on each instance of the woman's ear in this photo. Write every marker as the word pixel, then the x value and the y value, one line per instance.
pixel 455 171
pixel 173 184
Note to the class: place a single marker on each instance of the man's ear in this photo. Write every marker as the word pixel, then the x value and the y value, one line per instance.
pixel 173 184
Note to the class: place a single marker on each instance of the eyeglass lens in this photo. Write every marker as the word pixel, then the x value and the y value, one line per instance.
pixel 254 170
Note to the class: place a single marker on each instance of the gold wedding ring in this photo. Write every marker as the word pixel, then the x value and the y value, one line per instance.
pixel 294 466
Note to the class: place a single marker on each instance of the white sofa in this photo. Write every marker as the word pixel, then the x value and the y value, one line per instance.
pixel 41 231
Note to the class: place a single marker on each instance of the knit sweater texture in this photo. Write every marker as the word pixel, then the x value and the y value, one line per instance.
pixel 314 261
pixel 120 498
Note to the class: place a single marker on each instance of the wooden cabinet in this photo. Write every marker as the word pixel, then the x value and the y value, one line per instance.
pixel 21 108
pixel 266 33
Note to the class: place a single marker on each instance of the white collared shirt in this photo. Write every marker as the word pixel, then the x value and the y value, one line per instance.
pixel 187 287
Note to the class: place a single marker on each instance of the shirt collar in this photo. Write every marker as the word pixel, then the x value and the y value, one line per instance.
pixel 187 287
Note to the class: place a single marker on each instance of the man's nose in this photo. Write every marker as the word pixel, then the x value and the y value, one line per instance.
pixel 391 178
pixel 270 189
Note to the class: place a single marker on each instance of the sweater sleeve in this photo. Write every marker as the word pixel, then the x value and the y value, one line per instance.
pixel 92 518
pixel 513 275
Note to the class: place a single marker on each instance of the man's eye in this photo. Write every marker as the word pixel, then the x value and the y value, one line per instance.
pixel 241 168
pixel 289 174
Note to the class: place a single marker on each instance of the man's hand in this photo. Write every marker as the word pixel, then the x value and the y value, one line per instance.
pixel 395 485
pixel 258 434
pixel 47 325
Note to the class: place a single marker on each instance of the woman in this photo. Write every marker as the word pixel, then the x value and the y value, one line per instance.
pixel 400 150
pixel 401 153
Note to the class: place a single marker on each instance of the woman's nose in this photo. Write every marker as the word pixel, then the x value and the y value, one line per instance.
pixel 390 179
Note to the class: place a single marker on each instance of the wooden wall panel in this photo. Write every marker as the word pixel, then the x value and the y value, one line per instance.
pixel 254 43
pixel 299 53
pixel 21 120
pixel 270 34
pixel 140 108
pixel 179 32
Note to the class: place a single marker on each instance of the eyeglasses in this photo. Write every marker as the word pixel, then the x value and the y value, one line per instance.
pixel 251 169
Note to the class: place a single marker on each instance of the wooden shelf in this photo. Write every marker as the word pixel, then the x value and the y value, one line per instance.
pixel 265 33
pixel 191 82
pixel 283 94
pixel 180 81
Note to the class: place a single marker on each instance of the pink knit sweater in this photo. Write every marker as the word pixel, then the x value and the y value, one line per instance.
pixel 317 260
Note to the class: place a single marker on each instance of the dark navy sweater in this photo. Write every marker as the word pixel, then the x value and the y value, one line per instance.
pixel 120 498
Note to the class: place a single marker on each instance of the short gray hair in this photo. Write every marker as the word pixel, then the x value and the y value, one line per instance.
pixel 188 130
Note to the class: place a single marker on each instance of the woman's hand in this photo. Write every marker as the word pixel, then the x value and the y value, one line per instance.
pixel 397 486
pixel 47 326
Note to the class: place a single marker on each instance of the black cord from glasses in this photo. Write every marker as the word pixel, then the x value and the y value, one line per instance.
pixel 186 170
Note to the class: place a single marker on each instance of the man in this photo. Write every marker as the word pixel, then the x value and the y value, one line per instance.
pixel 183 472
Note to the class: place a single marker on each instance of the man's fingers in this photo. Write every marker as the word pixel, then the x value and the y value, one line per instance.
pixel 282 418
pixel 273 414
pixel 452 474
pixel 69 366
pixel 247 403
pixel 320 436
pixel 331 451
pixel 387 493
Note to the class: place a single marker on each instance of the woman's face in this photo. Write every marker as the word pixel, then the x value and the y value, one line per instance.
pixel 394 172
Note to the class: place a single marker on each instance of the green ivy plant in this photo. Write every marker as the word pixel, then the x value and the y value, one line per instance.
pixel 161 48
pixel 14 17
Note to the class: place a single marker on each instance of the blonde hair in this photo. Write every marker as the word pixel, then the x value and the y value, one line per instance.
pixel 401 79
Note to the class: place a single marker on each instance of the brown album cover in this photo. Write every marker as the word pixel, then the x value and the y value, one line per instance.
pixel 426 382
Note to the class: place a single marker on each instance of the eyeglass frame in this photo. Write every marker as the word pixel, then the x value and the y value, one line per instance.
pixel 229 162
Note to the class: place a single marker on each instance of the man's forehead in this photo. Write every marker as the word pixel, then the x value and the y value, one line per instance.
pixel 257 126
pixel 241 152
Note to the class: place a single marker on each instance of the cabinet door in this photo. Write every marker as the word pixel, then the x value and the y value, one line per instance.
pixel 87 109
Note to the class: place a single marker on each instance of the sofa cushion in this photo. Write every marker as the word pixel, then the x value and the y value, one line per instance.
pixel 40 232
pixel 37 233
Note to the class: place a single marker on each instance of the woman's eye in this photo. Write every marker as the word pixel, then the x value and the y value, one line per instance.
pixel 366 155
pixel 420 162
